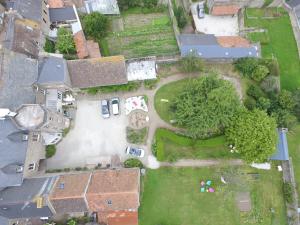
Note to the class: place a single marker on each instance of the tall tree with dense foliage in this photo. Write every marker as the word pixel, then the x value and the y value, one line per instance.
pixel 65 43
pixel 253 134
pixel 206 106
pixel 95 25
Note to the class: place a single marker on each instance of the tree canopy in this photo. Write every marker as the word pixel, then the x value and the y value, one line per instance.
pixel 253 134
pixel 65 43
pixel 206 106
pixel 95 25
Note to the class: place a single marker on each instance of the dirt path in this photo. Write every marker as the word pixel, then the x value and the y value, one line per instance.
pixel 155 120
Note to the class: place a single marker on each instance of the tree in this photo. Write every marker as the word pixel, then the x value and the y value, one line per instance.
pixel 180 16
pixel 296 97
pixel 206 106
pixel 246 65
pixel 255 92
pixel 150 3
pixel 95 25
pixel 286 100
pixel 284 118
pixel 270 84
pixel 49 46
pixel 191 63
pixel 65 43
pixel 253 134
pixel 263 103
pixel 259 73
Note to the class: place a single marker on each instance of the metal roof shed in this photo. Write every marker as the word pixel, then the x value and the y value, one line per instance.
pixel 282 151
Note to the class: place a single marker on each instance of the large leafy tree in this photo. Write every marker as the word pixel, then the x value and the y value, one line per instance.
pixel 253 134
pixel 65 43
pixel 206 106
pixel 95 25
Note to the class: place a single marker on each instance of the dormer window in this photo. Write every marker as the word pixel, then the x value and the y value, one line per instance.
pixel 109 202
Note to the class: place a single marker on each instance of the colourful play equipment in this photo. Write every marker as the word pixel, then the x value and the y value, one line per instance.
pixel 206 186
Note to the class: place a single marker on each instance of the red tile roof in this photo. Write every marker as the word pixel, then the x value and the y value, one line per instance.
pixel 233 42
pixel 225 10
pixel 122 218
pixel 93 49
pixel 55 3
pixel 114 190
pixel 81 46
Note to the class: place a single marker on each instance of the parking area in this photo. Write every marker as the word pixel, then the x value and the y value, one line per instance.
pixel 93 139
pixel 217 25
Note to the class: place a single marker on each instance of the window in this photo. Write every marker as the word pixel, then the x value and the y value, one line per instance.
pixel 31 166
pixel 35 137
pixel 109 202
pixel 44 20
pixel 45 12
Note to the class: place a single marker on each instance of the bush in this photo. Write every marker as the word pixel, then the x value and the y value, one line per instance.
pixel 288 192
pixel 95 25
pixel 50 151
pixel 255 92
pixel 150 84
pixel 284 118
pixel 65 43
pixel 191 63
pixel 286 100
pixel 49 46
pixel 136 136
pixel 246 66
pixel 272 65
pixel 263 103
pixel 150 3
pixel 132 163
pixel 259 73
pixel 180 16
pixel 270 84
pixel 130 86
pixel 250 103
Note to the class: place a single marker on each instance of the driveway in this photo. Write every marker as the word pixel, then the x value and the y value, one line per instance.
pixel 92 139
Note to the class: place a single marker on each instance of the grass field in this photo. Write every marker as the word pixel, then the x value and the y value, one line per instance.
pixel 280 43
pixel 294 151
pixel 168 92
pixel 171 147
pixel 137 35
pixel 172 196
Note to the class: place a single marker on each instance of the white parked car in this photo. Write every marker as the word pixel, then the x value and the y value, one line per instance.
pixel 138 152
pixel 115 106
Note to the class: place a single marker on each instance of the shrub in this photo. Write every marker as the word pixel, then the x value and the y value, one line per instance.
pixel 191 63
pixel 136 136
pixel 263 103
pixel 270 84
pixel 284 118
pixel 255 92
pixel 49 46
pixel 154 147
pixel 151 84
pixel 65 43
pixel 272 65
pixel 95 25
pixel 150 3
pixel 288 192
pixel 131 163
pixel 286 100
pixel 130 86
pixel 50 151
pixel 246 66
pixel 180 16
pixel 250 103
pixel 259 73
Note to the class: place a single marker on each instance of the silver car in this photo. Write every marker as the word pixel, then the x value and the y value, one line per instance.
pixel 105 109
pixel 135 151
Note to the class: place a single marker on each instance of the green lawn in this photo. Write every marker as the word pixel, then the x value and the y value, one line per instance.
pixel 294 151
pixel 168 92
pixel 172 196
pixel 171 147
pixel 138 35
pixel 281 43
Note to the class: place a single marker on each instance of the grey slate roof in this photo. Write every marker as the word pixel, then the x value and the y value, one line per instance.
pixel 293 3
pixel 29 9
pixel 18 73
pixel 18 202
pixel 12 154
pixel 282 151
pixel 62 14
pixel 206 46
pixel 53 70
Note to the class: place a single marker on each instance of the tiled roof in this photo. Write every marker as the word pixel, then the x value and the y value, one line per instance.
pixel 114 190
pixel 68 193
pixel 93 48
pixel 118 218
pixel 96 72
pixel 223 10
pixel 233 42
pixel 81 45
pixel 55 3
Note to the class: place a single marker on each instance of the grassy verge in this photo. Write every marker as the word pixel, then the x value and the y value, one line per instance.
pixel 130 86
pixel 172 196
pixel 294 152
pixel 281 45
pixel 171 147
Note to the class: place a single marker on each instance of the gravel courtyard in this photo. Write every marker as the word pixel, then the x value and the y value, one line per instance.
pixel 91 138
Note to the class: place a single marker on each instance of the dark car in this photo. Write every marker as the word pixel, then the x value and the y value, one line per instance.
pixel 135 151
pixel 105 108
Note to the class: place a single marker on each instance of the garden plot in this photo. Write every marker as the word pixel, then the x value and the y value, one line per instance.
pixel 143 35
